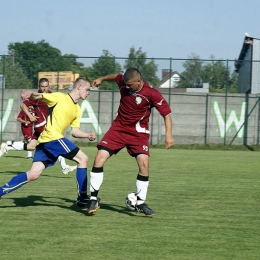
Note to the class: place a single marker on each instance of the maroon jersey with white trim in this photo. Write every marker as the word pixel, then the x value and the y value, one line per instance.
pixel 41 111
pixel 135 107
pixel 23 116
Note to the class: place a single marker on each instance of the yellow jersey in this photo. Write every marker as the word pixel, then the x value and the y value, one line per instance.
pixel 63 111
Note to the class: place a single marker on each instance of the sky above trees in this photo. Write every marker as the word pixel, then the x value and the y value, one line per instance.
pixel 163 29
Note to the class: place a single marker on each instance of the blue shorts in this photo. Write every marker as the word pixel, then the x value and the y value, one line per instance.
pixel 49 152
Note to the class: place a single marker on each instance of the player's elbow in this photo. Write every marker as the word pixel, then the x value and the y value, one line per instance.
pixel 74 133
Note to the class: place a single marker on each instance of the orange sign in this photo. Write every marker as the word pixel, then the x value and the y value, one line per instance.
pixel 59 80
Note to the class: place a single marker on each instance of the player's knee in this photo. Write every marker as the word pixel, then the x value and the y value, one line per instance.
pixel 143 166
pixel 143 161
pixel 30 146
pixel 101 158
pixel 146 164
pixel 32 176
pixel 83 158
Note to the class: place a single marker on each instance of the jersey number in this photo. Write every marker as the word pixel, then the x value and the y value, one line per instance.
pixel 145 147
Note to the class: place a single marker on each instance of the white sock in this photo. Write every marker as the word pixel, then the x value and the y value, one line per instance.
pixel 141 190
pixel 96 179
pixel 62 162
pixel 29 153
pixel 15 146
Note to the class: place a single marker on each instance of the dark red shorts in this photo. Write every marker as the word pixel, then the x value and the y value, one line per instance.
pixel 27 131
pixel 135 143
pixel 37 132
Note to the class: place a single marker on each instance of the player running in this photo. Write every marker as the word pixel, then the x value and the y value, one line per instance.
pixel 65 111
pixel 39 119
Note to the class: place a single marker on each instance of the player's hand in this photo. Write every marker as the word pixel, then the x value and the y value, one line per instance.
pixel 33 118
pixel 26 94
pixel 169 142
pixel 91 136
pixel 96 82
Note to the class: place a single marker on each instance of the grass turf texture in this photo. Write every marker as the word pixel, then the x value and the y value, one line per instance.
pixel 206 202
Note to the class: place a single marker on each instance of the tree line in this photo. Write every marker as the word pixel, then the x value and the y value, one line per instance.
pixel 26 59
pixel 217 73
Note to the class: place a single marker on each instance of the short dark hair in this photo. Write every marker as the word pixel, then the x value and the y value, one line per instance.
pixel 43 80
pixel 132 73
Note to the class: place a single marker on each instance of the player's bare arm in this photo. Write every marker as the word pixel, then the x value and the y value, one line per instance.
pixel 168 131
pixel 31 95
pixel 77 133
pixel 23 121
pixel 98 81
pixel 36 96
pixel 26 111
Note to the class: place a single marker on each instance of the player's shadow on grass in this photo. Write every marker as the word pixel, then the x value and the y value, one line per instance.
pixel 42 201
pixel 116 208
pixel 32 200
pixel 42 176
pixel 20 157
pixel 12 172
pixel 54 176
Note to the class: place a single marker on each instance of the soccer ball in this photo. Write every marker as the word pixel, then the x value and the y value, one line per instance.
pixel 130 200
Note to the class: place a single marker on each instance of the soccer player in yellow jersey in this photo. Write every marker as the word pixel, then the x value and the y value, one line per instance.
pixel 64 111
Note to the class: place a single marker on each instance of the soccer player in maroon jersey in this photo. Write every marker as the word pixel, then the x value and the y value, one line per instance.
pixel 39 120
pixel 26 127
pixel 130 129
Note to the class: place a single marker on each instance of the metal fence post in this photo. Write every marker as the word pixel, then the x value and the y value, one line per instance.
pixel 206 119
pixel 113 91
pixel 226 96
pixel 58 73
pixel 170 78
pixel 2 103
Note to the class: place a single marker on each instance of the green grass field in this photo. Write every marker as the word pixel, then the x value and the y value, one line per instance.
pixel 207 206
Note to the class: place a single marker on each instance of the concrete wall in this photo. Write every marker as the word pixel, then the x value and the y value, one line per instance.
pixel 197 117
pixel 255 80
